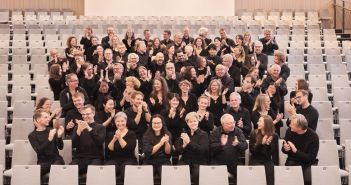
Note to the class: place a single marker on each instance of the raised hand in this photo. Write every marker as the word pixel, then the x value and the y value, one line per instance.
pixel 52 134
pixel 224 139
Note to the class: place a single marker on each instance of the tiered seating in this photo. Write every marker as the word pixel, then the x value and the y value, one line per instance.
pixel 314 54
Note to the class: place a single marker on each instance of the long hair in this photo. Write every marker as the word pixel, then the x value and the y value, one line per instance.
pixel 150 132
pixel 164 89
pixel 268 129
pixel 260 101
pixel 170 97
pixel 41 102
pixel 54 72
pixel 219 86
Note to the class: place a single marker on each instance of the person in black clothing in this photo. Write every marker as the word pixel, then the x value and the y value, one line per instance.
pixel 147 38
pixel 218 100
pixel 233 70
pixel 157 65
pixel 178 42
pixel 98 55
pixel 45 104
pixel 132 65
pixel 57 79
pixel 258 59
pixel 269 43
pixel 167 38
pixel 205 118
pixel 122 55
pixel 67 93
pixel 56 59
pixel 212 58
pixel 105 41
pixel 248 93
pixel 172 78
pixel 227 81
pixel 122 145
pixel 74 114
pixel 129 40
pixel 157 144
pixel 180 61
pixel 89 81
pixel 144 58
pixel 72 48
pixel 279 58
pixel 305 108
pixel 262 107
pixel 188 100
pixel 174 116
pixel 145 81
pixel 191 57
pixel 159 95
pixel 227 143
pixel 89 52
pixel 186 36
pixel 86 40
pixel 300 84
pixel 203 33
pixel 105 117
pixel 263 147
pixel 138 115
pixel 240 114
pixel 193 146
pixel 46 142
pixel 226 42
pixel 107 65
pixel 88 138
pixel 301 144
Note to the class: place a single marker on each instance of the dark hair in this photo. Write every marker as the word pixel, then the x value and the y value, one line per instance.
pixel 168 32
pixel 268 129
pixel 54 72
pixel 170 97
pixel 41 102
pixel 302 84
pixel 164 90
pixel 211 46
pixel 151 134
pixel 187 73
pixel 107 98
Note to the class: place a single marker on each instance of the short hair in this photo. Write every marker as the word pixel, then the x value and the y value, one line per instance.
pixel 280 55
pixel 267 31
pixel 304 92
pixel 122 115
pixel 133 54
pixel 228 56
pixel 301 121
pixel 204 97
pixel 275 66
pixel 168 32
pixel 225 116
pixel 70 75
pixel 191 115
pixel 88 106
pixel 253 80
pixel 38 113
pixel 302 84
pixel 202 31
pixel 134 80
pixel 237 95
pixel 135 93
pixel 146 30
pixel 257 42
pixel 220 66
pixel 185 82
pixel 78 95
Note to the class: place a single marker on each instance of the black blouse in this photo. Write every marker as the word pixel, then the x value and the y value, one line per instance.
pixel 127 153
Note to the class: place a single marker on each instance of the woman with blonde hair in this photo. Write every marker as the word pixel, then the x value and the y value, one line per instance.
pixel 262 107
pixel 248 42
pixel 132 84
pixel 218 100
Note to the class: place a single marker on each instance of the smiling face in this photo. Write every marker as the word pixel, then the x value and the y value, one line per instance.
pixel 260 123
pixel 203 103
pixel 193 123
pixel 121 123
pixel 157 85
pixel 44 119
pixel 174 102
pixel 110 105
pixel 47 105
pixel 156 124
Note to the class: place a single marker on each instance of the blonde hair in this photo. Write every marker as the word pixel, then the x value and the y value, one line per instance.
pixel 191 115
pixel 134 80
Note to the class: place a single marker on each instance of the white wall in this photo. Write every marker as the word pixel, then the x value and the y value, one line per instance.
pixel 159 7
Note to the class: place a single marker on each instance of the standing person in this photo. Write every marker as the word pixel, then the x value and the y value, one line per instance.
pixel 122 145
pixel 86 40
pixel 227 143
pixel 88 138
pixel 217 100
pixel 301 144
pixel 193 146
pixel 263 147
pixel 157 144
pixel 269 43
pixel 46 142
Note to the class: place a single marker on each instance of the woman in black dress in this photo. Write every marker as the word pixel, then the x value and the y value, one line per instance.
pixel 263 147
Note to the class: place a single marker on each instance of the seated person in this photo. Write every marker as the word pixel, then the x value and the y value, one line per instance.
pixel 157 144
pixel 88 138
pixel 264 147
pixel 227 143
pixel 46 142
pixel 122 145
pixel 301 144
pixel 193 146
pixel 74 114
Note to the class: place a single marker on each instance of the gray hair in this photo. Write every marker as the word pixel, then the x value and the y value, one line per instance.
pixel 236 95
pixel 191 115
pixel 133 54
pixel 226 116
pixel 258 43
pixel 301 121
pixel 229 57
pixel 202 31
pixel 121 114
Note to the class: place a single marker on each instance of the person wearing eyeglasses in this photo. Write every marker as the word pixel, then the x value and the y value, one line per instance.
pixel 88 138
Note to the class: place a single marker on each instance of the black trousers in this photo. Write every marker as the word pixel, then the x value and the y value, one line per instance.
pixel 269 168
pixel 45 166
pixel 194 171
pixel 306 172
pixel 84 162
pixel 157 166
pixel 120 165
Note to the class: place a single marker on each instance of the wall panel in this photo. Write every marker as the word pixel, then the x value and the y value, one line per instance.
pixel 76 5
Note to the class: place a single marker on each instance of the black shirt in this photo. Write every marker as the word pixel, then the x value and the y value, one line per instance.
pixel 174 125
pixel 72 115
pixel 196 152
pixel 244 115
pixel 140 128
pixel 89 144
pixel 268 49
pixel 264 152
pixel 307 146
pixel 227 154
pixel 248 99
pixel 46 150
pixel 149 141
pixel 127 153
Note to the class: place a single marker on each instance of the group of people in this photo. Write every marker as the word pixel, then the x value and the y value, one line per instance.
pixel 197 98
